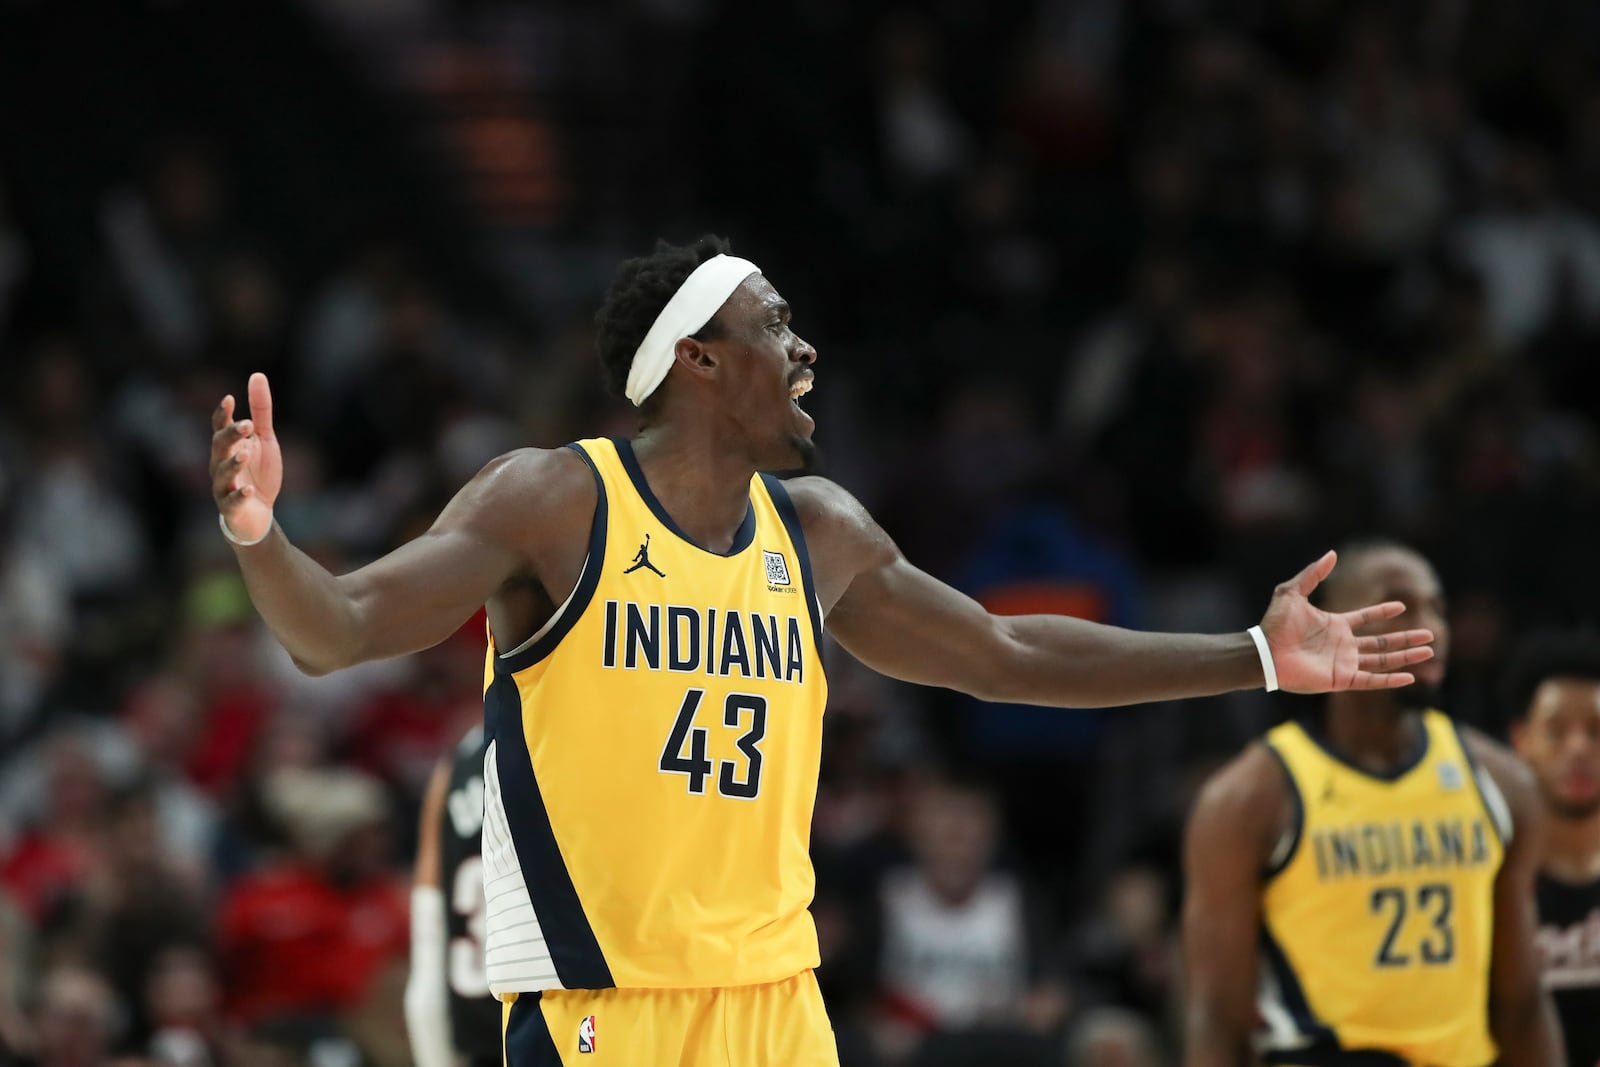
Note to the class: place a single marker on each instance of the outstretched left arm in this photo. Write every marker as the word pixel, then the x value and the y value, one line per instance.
pixel 904 623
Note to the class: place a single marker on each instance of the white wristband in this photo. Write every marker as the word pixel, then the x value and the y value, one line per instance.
pixel 241 542
pixel 1267 668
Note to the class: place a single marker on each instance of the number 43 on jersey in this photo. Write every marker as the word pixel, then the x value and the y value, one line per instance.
pixel 685 751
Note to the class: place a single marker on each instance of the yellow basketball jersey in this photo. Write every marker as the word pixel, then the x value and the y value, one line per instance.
pixel 653 766
pixel 1378 911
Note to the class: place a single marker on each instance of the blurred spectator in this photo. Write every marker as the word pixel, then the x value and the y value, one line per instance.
pixel 182 1007
pixel 1113 1037
pixel 1529 247
pixel 17 969
pixel 964 943
pixel 1125 953
pixel 57 853
pixel 164 242
pixel 35 613
pixel 71 511
pixel 77 1021
pixel 307 935
pixel 140 902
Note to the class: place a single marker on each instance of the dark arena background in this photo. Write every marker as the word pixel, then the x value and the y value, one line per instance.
pixel 1125 309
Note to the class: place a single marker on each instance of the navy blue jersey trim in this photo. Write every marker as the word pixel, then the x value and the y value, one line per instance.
pixel 588 582
pixel 742 538
pixel 574 951
pixel 1294 996
pixel 1474 768
pixel 797 537
pixel 1274 869
pixel 1405 768
pixel 528 1042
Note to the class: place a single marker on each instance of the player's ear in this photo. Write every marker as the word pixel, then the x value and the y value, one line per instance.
pixel 695 358
pixel 1519 736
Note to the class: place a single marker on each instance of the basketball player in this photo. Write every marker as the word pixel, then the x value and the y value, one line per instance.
pixel 655 688
pixel 1554 686
pixel 449 1010
pixel 1360 886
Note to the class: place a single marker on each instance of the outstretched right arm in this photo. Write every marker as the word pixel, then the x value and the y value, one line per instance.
pixel 411 599
pixel 1231 834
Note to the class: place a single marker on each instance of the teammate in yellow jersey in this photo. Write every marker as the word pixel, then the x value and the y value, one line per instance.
pixel 654 687
pixel 1359 887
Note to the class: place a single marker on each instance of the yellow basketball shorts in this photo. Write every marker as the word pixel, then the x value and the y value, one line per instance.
pixel 778 1025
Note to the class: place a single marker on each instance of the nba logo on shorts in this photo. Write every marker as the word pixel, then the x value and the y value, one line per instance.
pixel 1449 777
pixel 586 1035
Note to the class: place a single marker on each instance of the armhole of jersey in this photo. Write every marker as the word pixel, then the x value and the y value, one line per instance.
pixel 554 619
pixel 544 642
pixel 784 505
pixel 1494 801
pixel 1284 851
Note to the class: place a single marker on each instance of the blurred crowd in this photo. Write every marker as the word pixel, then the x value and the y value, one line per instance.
pixel 1126 308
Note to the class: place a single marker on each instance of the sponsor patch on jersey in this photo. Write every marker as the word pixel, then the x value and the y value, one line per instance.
pixel 586 1034
pixel 777 568
pixel 1450 776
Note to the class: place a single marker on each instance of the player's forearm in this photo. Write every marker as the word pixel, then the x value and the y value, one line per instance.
pixel 1067 662
pixel 304 605
pixel 1527 1033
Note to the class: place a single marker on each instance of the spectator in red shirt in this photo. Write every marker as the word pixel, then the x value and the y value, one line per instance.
pixel 307 936
pixel 62 849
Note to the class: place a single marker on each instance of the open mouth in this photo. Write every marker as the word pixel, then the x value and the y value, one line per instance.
pixel 800 388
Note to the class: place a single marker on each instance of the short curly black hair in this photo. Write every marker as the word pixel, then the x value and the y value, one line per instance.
pixel 639 290
pixel 1546 655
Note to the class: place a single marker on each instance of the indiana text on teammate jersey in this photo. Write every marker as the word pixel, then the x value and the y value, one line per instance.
pixel 1553 692
pixel 702 342
pixel 1359 886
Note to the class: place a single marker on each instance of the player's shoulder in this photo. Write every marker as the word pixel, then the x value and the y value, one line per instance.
pixel 824 499
pixel 840 533
pixel 546 469
pixel 1251 785
pixel 1243 815
pixel 533 479
pixel 828 509
pixel 1513 776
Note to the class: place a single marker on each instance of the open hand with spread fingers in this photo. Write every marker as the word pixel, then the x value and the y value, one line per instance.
pixel 1316 651
pixel 246 464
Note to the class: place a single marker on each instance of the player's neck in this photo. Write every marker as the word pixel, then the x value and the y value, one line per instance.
pixel 703 484
pixel 1372 730
pixel 1572 848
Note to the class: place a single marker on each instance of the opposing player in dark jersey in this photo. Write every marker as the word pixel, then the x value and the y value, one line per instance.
pixel 449 1011
pixel 1554 690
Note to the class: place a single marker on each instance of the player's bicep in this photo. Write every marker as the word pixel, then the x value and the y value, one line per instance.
pixel 904 623
pixel 895 618
pixel 421 593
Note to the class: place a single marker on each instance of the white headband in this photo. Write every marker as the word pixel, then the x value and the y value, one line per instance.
pixel 690 308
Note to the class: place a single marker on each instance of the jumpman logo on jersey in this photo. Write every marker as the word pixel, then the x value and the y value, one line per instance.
pixel 642 559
